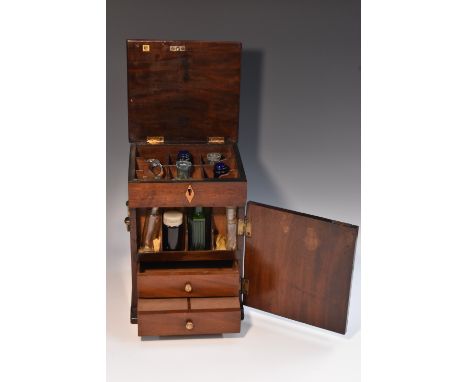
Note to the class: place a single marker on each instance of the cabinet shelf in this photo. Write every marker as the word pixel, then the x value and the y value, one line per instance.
pixel 164 256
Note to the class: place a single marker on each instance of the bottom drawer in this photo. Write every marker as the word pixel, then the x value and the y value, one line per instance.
pixel 188 316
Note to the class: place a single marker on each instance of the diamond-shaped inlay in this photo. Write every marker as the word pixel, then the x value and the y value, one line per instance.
pixel 189 194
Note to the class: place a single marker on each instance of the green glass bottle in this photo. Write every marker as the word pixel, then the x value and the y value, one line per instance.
pixel 198 229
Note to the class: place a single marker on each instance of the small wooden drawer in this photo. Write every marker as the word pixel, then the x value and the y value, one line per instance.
pixel 168 317
pixel 189 282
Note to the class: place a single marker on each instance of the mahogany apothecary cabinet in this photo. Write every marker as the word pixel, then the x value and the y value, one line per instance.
pixel 184 95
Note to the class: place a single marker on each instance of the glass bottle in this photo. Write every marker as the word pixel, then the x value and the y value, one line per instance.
pixel 149 230
pixel 198 229
pixel 156 168
pixel 183 169
pixel 220 169
pixel 213 157
pixel 173 235
pixel 231 228
pixel 184 155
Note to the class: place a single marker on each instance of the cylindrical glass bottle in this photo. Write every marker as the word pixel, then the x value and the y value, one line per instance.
pixel 231 228
pixel 184 169
pixel 149 231
pixel 198 229
pixel 173 235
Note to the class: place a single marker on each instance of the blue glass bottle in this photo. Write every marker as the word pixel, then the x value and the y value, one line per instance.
pixel 220 168
pixel 184 155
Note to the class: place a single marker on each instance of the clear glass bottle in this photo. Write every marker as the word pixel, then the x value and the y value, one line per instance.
pixel 198 229
pixel 231 228
pixel 213 157
pixel 156 167
pixel 173 235
pixel 184 169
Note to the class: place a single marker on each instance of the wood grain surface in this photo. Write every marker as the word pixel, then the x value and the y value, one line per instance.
pixel 299 266
pixel 206 193
pixel 204 282
pixel 168 317
pixel 184 95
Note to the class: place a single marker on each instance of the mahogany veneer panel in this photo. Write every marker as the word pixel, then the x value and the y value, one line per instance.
pixel 173 324
pixel 162 305
pixel 183 95
pixel 227 303
pixel 299 266
pixel 169 194
pixel 205 282
pixel 158 317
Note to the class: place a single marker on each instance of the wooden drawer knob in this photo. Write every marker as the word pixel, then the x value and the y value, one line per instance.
pixel 189 325
pixel 188 287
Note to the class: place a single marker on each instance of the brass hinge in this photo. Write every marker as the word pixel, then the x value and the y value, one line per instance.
pixel 245 286
pixel 244 227
pixel 217 140
pixel 154 140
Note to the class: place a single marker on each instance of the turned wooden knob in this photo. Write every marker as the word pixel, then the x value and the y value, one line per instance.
pixel 188 287
pixel 189 325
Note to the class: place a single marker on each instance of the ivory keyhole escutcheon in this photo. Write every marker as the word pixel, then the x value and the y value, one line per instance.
pixel 189 194
pixel 189 325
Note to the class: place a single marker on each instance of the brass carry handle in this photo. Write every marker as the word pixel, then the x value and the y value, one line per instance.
pixel 127 219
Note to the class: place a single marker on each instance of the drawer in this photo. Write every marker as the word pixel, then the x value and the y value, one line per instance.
pixel 205 193
pixel 167 317
pixel 189 282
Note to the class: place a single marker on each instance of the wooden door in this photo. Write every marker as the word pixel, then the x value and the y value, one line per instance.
pixel 299 266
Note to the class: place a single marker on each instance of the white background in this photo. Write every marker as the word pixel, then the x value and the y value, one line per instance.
pixel 414 207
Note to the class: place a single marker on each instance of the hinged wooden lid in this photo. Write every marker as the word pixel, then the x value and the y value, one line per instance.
pixel 184 91
pixel 299 266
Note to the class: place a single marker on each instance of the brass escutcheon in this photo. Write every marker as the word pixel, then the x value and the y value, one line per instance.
pixel 189 194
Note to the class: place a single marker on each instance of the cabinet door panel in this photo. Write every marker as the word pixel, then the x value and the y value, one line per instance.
pixel 299 266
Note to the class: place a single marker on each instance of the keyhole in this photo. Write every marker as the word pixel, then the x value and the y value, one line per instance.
pixel 189 191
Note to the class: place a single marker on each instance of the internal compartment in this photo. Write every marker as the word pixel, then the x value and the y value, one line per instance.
pixel 204 233
pixel 167 155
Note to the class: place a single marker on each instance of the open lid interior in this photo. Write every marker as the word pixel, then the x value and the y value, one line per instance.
pixel 184 91
pixel 299 266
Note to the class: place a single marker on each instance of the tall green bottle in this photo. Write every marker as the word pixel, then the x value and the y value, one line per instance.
pixel 198 229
